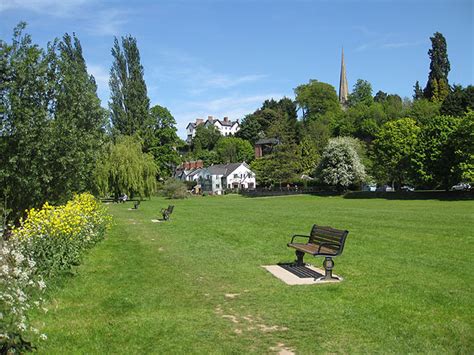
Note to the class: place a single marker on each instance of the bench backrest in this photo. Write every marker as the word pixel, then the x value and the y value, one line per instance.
pixel 323 234
pixel 170 209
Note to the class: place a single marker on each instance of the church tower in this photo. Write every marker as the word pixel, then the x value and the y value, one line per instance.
pixel 343 88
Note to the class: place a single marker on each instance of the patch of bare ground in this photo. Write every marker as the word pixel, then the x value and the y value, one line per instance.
pixel 282 349
pixel 249 323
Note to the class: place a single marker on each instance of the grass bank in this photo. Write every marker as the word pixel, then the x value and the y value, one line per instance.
pixel 195 284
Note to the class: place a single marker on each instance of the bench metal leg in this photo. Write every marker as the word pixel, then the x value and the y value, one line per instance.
pixel 299 258
pixel 328 266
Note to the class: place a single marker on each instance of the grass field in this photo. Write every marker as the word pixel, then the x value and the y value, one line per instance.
pixel 195 284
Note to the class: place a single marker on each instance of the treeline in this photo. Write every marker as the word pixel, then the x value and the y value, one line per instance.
pixel 427 141
pixel 57 140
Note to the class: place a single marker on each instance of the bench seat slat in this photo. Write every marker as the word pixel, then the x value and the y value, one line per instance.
pixel 313 248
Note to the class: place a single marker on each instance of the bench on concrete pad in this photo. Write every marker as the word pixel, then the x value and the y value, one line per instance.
pixel 166 212
pixel 322 241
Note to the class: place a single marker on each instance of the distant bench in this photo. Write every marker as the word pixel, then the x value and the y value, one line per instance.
pixel 166 212
pixel 322 241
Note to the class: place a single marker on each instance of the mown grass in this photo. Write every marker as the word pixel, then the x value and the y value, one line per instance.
pixel 161 287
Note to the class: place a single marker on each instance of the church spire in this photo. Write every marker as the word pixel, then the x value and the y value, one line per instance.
pixel 343 88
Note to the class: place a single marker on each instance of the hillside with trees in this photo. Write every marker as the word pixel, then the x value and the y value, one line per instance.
pixel 57 140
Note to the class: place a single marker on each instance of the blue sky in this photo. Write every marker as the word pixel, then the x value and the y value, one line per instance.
pixel 224 58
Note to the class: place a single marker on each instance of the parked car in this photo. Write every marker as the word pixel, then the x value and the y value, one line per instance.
pixel 385 188
pixel 369 187
pixel 462 186
pixel 407 188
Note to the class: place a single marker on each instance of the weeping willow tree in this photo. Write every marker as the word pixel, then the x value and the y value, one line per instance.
pixel 124 168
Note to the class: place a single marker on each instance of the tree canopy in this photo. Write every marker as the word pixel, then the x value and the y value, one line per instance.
pixel 124 168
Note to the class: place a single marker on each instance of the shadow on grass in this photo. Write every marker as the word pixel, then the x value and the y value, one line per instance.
pixel 399 195
pixel 415 195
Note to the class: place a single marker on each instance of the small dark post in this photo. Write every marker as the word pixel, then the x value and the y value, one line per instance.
pixel 299 258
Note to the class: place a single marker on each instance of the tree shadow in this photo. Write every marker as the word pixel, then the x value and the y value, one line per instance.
pixel 414 195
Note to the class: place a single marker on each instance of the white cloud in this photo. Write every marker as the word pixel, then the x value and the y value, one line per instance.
pixel 401 44
pixel 96 17
pixel 107 22
pixel 59 8
pixel 196 77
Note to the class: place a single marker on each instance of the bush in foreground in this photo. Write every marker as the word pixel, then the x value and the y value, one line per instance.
pixel 55 237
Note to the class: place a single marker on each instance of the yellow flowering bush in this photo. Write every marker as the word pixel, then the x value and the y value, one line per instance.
pixel 57 236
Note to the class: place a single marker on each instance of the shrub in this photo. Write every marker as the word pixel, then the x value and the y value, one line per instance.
pixel 56 237
pixel 175 189
pixel 19 288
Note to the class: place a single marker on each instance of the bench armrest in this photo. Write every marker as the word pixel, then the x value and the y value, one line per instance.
pixel 300 236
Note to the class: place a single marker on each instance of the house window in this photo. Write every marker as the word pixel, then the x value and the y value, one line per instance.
pixel 236 176
pixel 217 186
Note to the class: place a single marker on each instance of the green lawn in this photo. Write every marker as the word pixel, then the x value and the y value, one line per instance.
pixel 161 287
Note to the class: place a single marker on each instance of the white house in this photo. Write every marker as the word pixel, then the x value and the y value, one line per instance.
pixel 217 178
pixel 226 127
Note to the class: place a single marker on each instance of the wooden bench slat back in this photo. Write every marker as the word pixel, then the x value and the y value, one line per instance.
pixel 170 209
pixel 324 234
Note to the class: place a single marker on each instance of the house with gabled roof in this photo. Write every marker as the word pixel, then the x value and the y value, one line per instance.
pixel 225 126
pixel 217 178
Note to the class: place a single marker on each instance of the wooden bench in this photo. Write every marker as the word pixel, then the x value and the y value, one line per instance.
pixel 166 212
pixel 322 241
pixel 136 204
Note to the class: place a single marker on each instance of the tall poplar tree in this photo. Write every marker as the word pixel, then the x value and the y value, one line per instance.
pixel 24 123
pixel 129 103
pixel 78 126
pixel 437 87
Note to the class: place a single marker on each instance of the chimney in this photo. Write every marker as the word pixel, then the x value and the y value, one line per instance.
pixel 210 118
pixel 199 164
pixel 186 166
pixel 199 121
pixel 226 119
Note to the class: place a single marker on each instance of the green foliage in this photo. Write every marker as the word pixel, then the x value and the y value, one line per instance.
pixel 437 87
pixel 393 150
pixel 309 155
pixel 129 102
pixel 124 168
pixel 316 133
pixel 463 142
pixel 25 124
pixel 175 189
pixel 206 137
pixel 280 167
pixel 458 101
pixel 317 99
pixel 340 164
pixel 250 129
pixel 51 124
pixel 423 110
pixel 164 140
pixel 434 159
pixel 234 150
pixel 417 91
pixel 361 94
pixel 78 126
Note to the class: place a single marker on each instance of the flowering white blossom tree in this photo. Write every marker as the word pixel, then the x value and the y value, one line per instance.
pixel 19 287
pixel 340 165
